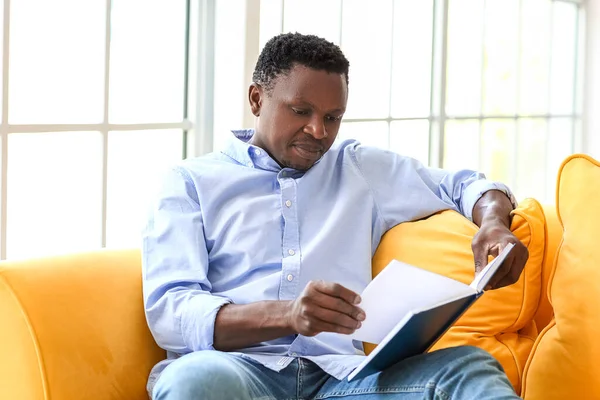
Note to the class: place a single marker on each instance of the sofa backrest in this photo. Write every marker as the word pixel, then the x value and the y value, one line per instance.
pixel 73 327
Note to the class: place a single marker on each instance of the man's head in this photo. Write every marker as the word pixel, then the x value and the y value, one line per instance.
pixel 299 96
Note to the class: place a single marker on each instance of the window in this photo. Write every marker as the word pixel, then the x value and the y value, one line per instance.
pixel 93 98
pixel 94 102
pixel 490 85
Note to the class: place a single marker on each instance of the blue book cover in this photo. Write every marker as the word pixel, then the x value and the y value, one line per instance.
pixel 422 317
pixel 416 336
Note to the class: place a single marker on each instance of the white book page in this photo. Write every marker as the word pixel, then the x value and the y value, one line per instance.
pixel 399 289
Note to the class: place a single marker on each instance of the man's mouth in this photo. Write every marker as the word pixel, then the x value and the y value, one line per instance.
pixel 309 152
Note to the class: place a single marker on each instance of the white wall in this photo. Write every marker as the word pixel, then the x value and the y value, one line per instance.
pixel 591 122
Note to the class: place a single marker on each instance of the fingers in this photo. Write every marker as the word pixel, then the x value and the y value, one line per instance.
pixel 496 249
pixel 312 327
pixel 503 271
pixel 325 307
pixel 335 318
pixel 491 241
pixel 336 290
pixel 514 269
pixel 480 253
pixel 328 296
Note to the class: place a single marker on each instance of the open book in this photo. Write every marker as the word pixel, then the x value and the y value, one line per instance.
pixel 408 309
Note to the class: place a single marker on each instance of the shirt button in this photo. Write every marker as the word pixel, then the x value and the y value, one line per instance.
pixel 294 354
pixel 250 164
pixel 257 152
pixel 290 277
pixel 291 252
pixel 288 203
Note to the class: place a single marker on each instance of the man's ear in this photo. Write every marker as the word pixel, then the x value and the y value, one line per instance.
pixel 255 96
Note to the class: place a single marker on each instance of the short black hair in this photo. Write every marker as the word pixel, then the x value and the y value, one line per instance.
pixel 284 51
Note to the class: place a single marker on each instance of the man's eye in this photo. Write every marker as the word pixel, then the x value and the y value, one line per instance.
pixel 299 111
pixel 331 118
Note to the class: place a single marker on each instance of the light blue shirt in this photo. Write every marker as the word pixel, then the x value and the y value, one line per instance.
pixel 235 227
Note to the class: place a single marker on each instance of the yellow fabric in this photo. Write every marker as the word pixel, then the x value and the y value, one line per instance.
pixel 565 363
pixel 74 328
pixel 501 322
pixel 544 312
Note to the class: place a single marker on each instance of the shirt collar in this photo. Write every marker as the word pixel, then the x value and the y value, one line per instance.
pixel 239 148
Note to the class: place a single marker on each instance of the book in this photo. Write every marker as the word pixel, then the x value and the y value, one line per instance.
pixel 408 309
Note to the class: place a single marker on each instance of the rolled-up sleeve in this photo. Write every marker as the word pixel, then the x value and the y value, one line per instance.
pixel 179 306
pixel 478 188
pixel 406 190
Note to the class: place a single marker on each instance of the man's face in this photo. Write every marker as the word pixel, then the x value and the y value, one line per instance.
pixel 298 121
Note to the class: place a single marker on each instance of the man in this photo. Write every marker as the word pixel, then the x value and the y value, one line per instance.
pixel 253 256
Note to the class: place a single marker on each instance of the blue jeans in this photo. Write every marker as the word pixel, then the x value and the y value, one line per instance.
pixel 455 373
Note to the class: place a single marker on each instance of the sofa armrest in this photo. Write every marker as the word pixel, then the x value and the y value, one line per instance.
pixel 73 327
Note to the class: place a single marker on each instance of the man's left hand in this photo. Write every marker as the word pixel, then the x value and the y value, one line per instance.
pixel 490 241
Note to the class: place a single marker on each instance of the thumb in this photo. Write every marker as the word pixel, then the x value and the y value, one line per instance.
pixel 480 255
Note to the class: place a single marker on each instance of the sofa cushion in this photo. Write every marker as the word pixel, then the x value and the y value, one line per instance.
pixel 565 361
pixel 501 320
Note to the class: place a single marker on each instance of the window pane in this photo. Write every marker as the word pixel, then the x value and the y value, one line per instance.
pixel 230 95
pixel 500 58
pixel 535 57
pixel 57 61
pixel 136 162
pixel 497 156
pixel 54 193
pixel 369 56
pixel 315 17
pixel 563 57
pixel 367 133
pixel 411 138
pixel 581 83
pixel 147 61
pixel 560 146
pixel 271 14
pixel 465 23
pixel 531 159
pixel 1 46
pixel 411 79
pixel 461 145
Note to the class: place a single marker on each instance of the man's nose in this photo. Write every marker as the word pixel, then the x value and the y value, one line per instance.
pixel 316 128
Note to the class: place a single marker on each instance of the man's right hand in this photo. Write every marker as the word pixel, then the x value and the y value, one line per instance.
pixel 321 307
pixel 325 307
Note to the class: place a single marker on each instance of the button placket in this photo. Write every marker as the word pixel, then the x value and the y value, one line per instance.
pixel 290 240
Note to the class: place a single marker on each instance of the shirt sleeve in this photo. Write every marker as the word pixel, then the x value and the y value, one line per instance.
pixel 478 188
pixel 179 306
pixel 405 190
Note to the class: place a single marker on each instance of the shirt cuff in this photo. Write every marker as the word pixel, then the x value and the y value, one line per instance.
pixel 198 321
pixel 475 190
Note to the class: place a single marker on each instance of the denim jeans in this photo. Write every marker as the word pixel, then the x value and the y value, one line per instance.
pixel 456 373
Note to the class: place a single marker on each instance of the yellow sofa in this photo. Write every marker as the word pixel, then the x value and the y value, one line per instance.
pixel 73 327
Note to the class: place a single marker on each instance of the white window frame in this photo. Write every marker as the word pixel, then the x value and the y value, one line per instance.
pixel 104 127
